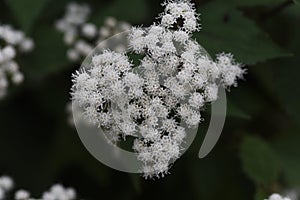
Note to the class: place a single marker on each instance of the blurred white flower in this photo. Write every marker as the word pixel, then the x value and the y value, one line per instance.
pixel 58 192
pixel 6 185
pixel 277 197
pixel 14 42
pixel 82 36
pixel 22 195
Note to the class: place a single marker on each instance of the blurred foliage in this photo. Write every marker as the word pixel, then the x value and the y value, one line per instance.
pixel 258 152
pixel 259 163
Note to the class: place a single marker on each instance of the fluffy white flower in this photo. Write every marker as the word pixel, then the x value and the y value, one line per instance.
pixel 181 36
pixel 230 71
pixel 158 97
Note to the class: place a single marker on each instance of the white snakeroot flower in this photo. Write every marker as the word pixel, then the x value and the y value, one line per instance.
pixel 277 197
pixel 160 97
pixel 13 42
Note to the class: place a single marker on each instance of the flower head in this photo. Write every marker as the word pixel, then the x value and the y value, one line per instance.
pixel 157 100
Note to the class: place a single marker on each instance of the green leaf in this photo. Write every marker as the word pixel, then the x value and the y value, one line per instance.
pixel 297 2
pixel 286 71
pixel 227 30
pixel 286 76
pixel 26 12
pixel 133 11
pixel 48 56
pixel 210 176
pixel 259 161
pixel 288 149
pixel 252 2
pixel 234 111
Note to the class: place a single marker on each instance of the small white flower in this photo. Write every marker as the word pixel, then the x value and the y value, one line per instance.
pixel 137 40
pixel 168 20
pixel 211 92
pixel 230 71
pixel 196 100
pixel 104 32
pixel 181 36
pixel 8 52
pixel 22 195
pixel 6 183
pixel 110 22
pixel 73 54
pixel 83 47
pixel 27 45
pixel 58 192
pixel 89 30
pixel 17 78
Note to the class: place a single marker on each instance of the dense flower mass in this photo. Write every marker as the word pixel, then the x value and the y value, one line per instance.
pixel 82 36
pixel 11 42
pixel 157 100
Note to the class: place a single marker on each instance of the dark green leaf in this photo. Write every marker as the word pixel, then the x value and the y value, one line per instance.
pixel 252 2
pixel 226 29
pixel 120 9
pixel 49 54
pixel 286 71
pixel 260 162
pixel 297 2
pixel 235 111
pixel 288 148
pixel 260 194
pixel 26 12
pixel 210 176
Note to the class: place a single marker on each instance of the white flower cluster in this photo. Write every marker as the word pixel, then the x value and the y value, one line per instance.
pixel 10 41
pixel 82 36
pixel 56 192
pixel 160 98
pixel 277 197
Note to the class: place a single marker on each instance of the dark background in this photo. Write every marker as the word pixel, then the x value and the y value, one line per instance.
pixel 258 153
